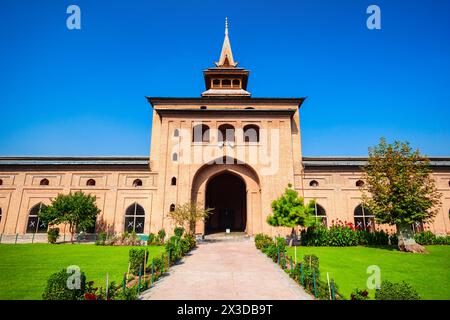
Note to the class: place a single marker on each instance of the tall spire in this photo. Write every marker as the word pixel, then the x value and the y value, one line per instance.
pixel 226 56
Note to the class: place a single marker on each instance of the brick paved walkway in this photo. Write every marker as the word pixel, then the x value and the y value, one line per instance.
pixel 229 271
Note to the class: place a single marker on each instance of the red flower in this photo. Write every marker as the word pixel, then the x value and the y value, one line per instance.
pixel 90 296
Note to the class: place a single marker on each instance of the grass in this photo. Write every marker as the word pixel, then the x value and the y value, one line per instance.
pixel 429 273
pixel 24 268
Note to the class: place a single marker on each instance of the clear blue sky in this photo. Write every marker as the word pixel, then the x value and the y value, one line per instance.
pixel 81 92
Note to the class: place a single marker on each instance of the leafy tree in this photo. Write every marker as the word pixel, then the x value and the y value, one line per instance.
pixel 290 210
pixel 187 214
pixel 400 190
pixel 78 210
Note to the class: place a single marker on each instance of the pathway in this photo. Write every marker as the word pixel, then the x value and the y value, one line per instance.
pixel 226 270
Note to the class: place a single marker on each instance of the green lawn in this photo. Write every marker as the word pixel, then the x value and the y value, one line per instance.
pixel 429 273
pixel 24 268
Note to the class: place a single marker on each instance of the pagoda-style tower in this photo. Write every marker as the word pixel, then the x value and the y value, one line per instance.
pixel 226 79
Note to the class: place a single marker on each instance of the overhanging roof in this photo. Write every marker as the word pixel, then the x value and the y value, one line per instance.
pixel 74 161
pixel 359 161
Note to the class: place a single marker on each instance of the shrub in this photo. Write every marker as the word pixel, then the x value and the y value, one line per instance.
pixel 342 236
pixel 358 294
pixel 52 235
pixel 151 239
pixel 393 239
pixel 157 265
pixel 396 291
pixel 178 231
pixel 262 241
pixel 191 239
pixel 57 288
pixel 101 238
pixel 315 236
pixel 374 238
pixel 161 236
pixel 429 238
pixel 173 247
pixel 127 294
pixel 137 259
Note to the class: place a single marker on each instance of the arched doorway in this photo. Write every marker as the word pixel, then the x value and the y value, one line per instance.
pixel 251 196
pixel 226 193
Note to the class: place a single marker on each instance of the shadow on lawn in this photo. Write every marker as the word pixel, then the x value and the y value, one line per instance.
pixel 389 248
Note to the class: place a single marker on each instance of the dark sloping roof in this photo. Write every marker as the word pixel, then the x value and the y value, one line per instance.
pixel 74 161
pixel 144 161
pixel 359 161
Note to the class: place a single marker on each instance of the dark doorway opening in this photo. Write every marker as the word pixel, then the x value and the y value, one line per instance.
pixel 226 193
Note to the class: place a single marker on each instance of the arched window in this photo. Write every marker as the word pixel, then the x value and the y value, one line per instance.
pixel 200 133
pixel 44 182
pixel 90 182
pixel 176 133
pixel 135 218
pixel 0 214
pixel 449 183
pixel 313 183
pixel 251 133
pixel 320 214
pixel 137 183
pixel 226 133
pixel 173 182
pixel 364 219
pixel 35 225
pixel 249 108
pixel 203 107
pixel 172 208
pixel 1 182
pixel 360 183
pixel 175 157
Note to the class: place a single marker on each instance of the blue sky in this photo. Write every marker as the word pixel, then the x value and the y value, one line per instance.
pixel 81 92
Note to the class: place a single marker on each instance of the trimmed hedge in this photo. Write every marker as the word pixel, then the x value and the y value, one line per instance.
pixel 57 288
pixel 429 238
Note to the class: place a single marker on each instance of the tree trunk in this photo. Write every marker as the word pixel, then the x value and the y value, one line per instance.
pixel 406 240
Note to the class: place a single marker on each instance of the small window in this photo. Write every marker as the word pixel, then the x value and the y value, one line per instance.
pixel 449 183
pixel 1 182
pixel 176 133
pixel 203 107
pixel 417 227
pixel 173 182
pixel 313 183
pixel 249 108
pixel 251 133
pixel 0 214
pixel 226 83
pixel 137 183
pixel 175 157
pixel 44 182
pixel 90 182
pixel 236 83
pixel 216 83
pixel 360 183
pixel 172 207
pixel 226 133
pixel 200 133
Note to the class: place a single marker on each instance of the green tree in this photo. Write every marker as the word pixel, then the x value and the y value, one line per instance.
pixel 290 210
pixel 187 215
pixel 400 189
pixel 78 210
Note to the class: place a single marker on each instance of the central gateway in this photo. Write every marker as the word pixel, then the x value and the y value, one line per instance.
pixel 224 150
pixel 226 194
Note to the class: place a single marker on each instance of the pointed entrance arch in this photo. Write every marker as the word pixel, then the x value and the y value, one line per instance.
pixel 226 193
pixel 241 204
